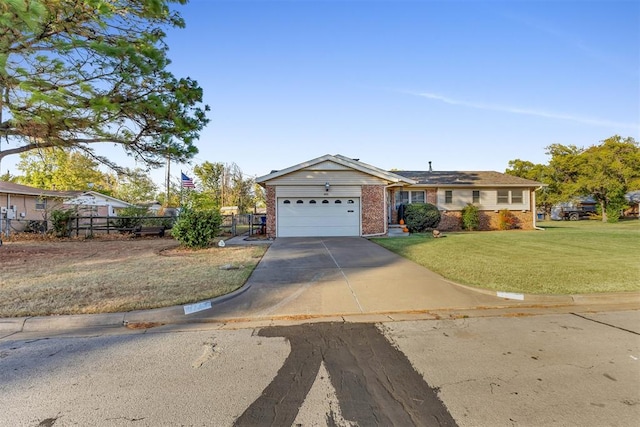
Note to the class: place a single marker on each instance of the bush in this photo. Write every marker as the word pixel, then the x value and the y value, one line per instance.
pixel 130 217
pixel 506 220
pixel 420 217
pixel 470 217
pixel 196 228
pixel 61 221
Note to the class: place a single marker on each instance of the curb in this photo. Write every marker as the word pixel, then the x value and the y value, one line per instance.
pixel 175 314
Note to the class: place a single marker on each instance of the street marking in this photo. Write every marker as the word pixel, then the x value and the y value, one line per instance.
pixel 194 308
pixel 511 295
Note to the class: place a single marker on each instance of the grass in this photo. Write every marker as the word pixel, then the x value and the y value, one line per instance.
pixel 573 257
pixel 43 278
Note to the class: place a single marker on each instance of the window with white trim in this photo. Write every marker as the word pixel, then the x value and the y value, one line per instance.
pixel 41 204
pixel 510 197
pixel 448 196
pixel 475 197
pixel 516 196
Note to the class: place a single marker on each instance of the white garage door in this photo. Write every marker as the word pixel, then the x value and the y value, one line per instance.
pixel 319 216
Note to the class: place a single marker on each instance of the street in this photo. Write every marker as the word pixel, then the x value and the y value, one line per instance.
pixel 578 369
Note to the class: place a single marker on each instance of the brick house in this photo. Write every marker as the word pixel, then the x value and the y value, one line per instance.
pixel 334 195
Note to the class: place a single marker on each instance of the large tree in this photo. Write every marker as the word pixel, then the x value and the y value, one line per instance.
pixel 63 169
pixel 607 172
pixel 135 186
pixel 75 73
pixel 226 185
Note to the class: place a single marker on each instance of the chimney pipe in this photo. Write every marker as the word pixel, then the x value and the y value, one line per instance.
pixel 430 170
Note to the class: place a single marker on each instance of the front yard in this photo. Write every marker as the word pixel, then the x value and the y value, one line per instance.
pixel 99 276
pixel 573 257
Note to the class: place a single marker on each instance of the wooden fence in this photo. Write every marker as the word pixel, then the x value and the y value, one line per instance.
pixel 90 225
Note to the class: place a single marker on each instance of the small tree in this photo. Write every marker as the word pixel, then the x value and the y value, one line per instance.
pixel 197 228
pixel 61 221
pixel 420 217
pixel 470 217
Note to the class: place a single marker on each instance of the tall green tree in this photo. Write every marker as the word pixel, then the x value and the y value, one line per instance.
pixel 225 184
pixel 60 169
pixel 135 186
pixel 607 172
pixel 76 73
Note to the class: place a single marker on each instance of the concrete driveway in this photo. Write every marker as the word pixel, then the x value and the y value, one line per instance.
pixel 341 276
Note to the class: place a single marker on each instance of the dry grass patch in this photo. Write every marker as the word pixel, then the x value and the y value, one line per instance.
pixel 96 276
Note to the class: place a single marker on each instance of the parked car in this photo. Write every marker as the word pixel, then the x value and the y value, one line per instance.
pixel 578 212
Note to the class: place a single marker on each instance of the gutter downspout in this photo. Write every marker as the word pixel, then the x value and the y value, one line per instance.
pixel 535 210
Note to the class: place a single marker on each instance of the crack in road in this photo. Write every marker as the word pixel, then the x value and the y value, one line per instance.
pixel 605 323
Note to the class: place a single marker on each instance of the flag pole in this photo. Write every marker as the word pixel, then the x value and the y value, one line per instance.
pixel 181 188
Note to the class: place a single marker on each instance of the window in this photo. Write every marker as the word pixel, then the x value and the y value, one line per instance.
pixel 476 196
pixel 402 197
pixel 350 202
pixel 41 204
pixel 312 202
pixel 299 202
pixel 325 202
pixel 417 197
pixel 448 196
pixel 503 197
pixel 516 196
pixel 407 197
pixel 338 201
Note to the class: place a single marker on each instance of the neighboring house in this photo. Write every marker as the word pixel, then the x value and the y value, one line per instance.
pixel 20 204
pixel 633 198
pixel 339 196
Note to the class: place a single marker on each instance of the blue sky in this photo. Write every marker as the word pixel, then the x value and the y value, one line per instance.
pixel 468 85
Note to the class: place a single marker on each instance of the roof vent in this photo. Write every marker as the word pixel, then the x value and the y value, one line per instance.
pixel 430 170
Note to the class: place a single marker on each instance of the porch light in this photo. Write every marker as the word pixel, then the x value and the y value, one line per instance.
pixel 326 186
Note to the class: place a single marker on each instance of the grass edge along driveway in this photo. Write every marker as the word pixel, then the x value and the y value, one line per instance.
pixel 93 276
pixel 576 257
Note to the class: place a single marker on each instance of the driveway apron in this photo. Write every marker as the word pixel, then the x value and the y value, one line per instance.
pixel 341 276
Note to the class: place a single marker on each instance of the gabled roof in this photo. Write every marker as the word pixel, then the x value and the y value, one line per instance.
pixel 25 190
pixel 89 198
pixel 467 179
pixel 341 160
pixel 13 188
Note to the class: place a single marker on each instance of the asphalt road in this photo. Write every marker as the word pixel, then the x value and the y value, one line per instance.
pixel 547 370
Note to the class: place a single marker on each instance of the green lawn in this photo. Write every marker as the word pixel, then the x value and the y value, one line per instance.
pixel 568 257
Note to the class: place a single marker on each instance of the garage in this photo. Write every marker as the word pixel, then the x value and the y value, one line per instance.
pixel 318 216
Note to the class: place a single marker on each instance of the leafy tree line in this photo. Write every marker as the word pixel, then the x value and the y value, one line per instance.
pixel 606 172
pixel 217 184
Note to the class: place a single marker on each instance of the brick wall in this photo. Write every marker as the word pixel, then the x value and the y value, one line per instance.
pixel 489 220
pixel 373 209
pixel 271 210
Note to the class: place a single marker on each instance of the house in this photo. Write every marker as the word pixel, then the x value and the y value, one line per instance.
pixel 20 204
pixel 334 195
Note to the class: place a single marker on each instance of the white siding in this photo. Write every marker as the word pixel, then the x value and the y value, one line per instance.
pixel 318 191
pixel 334 178
pixel 488 199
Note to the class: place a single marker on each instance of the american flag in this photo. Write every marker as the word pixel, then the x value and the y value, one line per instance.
pixel 187 182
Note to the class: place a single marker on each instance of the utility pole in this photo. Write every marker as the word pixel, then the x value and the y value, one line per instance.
pixel 168 178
